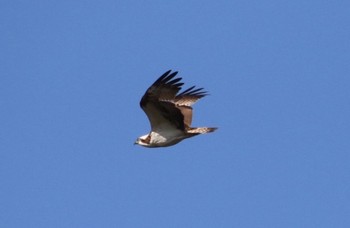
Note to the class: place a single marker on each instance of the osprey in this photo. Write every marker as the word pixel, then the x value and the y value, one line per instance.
pixel 170 113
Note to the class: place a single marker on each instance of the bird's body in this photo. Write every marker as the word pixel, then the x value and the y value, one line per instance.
pixel 170 113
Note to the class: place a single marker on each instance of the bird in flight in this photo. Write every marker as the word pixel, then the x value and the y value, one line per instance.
pixel 170 112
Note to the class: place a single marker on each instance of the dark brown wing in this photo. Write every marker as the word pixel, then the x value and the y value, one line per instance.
pixel 164 108
pixel 157 105
pixel 165 88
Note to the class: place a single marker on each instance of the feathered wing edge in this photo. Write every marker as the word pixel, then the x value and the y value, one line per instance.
pixel 189 96
pixel 164 88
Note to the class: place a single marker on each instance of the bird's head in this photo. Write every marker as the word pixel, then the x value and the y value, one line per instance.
pixel 142 141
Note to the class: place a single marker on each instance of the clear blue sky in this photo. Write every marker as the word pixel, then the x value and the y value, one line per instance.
pixel 72 74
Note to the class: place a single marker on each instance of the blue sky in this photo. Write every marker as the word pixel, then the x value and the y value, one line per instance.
pixel 72 74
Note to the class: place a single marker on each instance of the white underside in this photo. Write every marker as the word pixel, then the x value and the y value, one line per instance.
pixel 166 138
pixel 164 135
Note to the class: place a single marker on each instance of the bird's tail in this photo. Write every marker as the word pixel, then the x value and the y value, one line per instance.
pixel 200 130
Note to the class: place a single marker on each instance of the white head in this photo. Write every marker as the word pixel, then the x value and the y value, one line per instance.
pixel 143 140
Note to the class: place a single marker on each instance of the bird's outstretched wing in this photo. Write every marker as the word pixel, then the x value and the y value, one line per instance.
pixel 164 107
